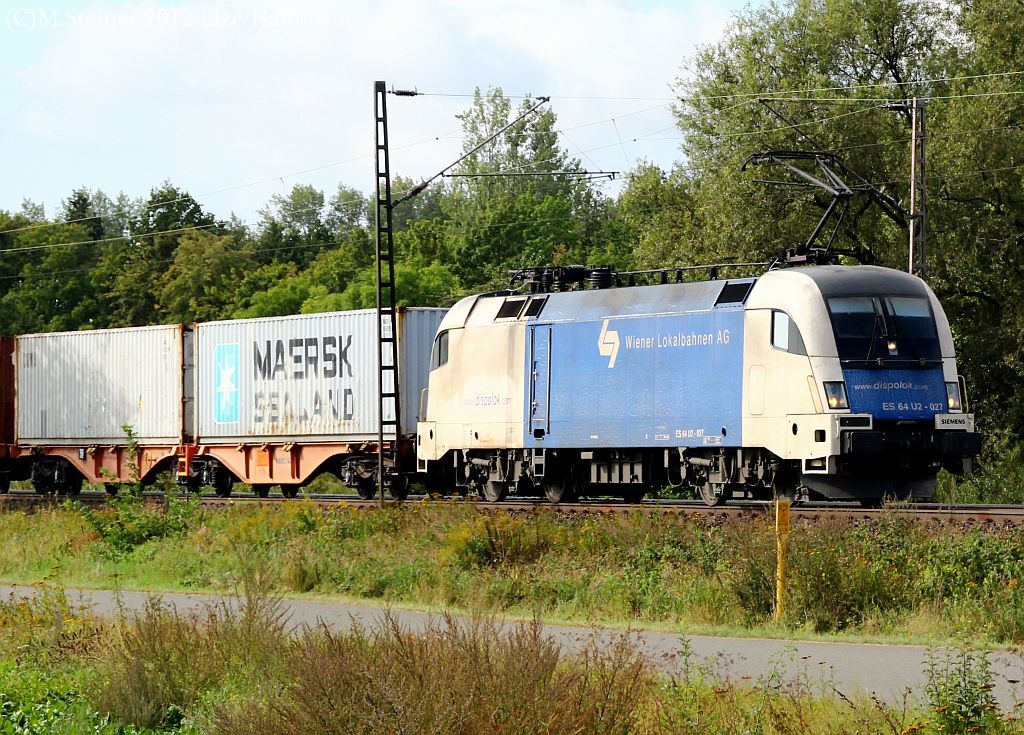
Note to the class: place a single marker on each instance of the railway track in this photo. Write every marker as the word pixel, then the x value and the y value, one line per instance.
pixel 986 515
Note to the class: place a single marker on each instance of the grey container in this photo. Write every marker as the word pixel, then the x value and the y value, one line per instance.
pixel 82 388
pixel 311 377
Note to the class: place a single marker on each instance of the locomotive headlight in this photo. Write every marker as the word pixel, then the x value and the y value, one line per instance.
pixel 835 394
pixel 953 397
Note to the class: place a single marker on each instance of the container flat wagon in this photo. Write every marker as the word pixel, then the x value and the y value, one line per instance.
pixel 106 406
pixel 267 402
pixel 280 400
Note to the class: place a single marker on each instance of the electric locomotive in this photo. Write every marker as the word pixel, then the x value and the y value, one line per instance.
pixel 816 382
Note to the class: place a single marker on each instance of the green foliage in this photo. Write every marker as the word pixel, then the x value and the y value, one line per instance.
pixel 999 479
pixel 497 539
pixel 959 690
pixel 201 281
pixel 36 703
pixel 415 285
pixel 128 522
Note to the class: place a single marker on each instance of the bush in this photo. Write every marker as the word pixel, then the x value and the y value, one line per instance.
pixel 128 522
pixel 999 477
pixel 459 677
pixel 959 690
pixel 498 539
pixel 158 664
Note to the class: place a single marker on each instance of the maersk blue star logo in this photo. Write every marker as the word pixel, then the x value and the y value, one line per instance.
pixel 225 395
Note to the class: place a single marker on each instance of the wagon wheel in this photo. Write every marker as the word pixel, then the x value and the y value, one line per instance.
pixel 707 494
pixel 493 492
pixel 42 486
pixel 367 487
pixel 261 490
pixel 112 488
pixel 5 483
pixel 71 486
pixel 223 483
pixel 290 491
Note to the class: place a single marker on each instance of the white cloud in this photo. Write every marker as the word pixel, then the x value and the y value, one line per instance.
pixel 217 94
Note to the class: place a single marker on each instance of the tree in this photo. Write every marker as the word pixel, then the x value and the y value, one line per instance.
pixel 53 287
pixel 201 281
pixel 851 56
pixel 135 267
pixel 79 208
pixel 416 284
pixel 502 222
pixel 297 225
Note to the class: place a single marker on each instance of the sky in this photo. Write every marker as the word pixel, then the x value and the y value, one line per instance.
pixel 238 100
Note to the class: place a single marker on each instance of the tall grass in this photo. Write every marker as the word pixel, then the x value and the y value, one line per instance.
pixel 454 677
pixel 889 576
pixel 157 663
pixel 237 669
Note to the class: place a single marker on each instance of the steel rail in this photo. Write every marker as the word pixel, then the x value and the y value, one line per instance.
pixel 808 513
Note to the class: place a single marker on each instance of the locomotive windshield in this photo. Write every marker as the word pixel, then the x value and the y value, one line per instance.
pixel 884 330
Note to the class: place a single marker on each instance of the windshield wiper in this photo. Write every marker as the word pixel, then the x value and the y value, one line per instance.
pixel 871 340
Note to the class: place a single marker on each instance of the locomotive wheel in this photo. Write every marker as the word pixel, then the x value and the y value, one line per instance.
pixel 494 492
pixel 707 494
pixel 261 491
pixel 559 488
pixel 634 493
pixel 290 491
pixel 399 487
pixel 112 488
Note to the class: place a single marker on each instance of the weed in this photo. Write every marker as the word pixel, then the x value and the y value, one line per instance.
pixel 959 690
pixel 454 677
pixel 128 522
pixel 158 663
pixel 497 539
pixel 300 573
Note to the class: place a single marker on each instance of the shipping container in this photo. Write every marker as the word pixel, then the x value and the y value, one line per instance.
pixel 82 388
pixel 6 390
pixel 309 378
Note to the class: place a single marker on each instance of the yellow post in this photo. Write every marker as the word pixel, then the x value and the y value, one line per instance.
pixel 781 541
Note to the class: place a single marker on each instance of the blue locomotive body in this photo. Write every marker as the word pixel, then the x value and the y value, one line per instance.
pixel 600 378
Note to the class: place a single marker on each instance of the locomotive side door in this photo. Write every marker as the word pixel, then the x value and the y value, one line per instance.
pixel 540 380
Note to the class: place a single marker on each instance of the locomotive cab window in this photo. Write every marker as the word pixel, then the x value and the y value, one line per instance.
pixel 786 335
pixel 439 355
pixel 510 309
pixel 881 329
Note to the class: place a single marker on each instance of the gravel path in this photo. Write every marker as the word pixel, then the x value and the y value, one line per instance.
pixel 885 671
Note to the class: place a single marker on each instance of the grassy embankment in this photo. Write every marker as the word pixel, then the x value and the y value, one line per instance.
pixel 240 671
pixel 890 579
